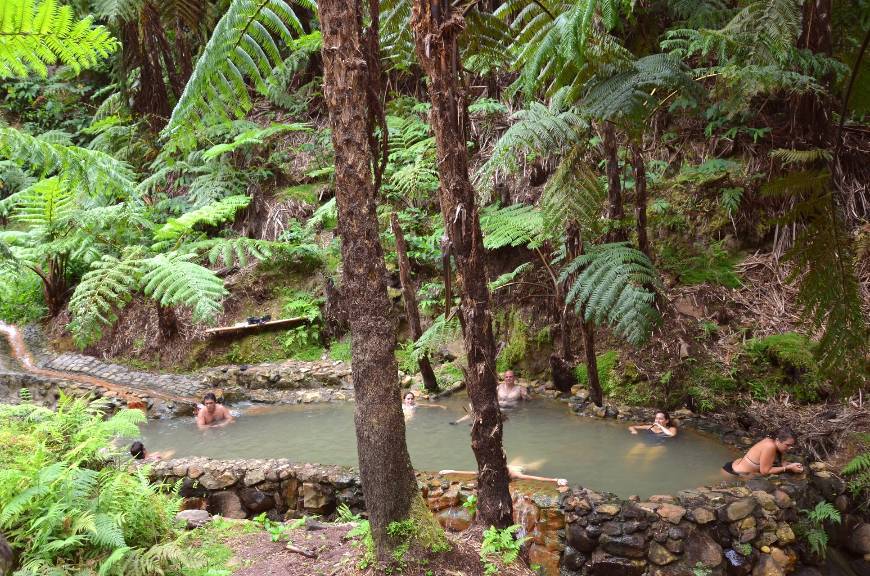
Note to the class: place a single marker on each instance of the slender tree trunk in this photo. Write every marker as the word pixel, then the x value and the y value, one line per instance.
pixel 615 209
pixel 811 116
pixel 640 201
pixel 411 308
pixel 387 477
pixel 436 26
pixel 595 392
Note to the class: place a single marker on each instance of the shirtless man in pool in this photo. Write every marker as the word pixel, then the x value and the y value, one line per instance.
pixel 212 414
pixel 509 394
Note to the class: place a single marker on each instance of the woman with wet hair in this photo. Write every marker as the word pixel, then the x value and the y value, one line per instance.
pixel 662 426
pixel 138 452
pixel 766 455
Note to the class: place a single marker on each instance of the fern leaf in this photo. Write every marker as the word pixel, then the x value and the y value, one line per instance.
pixel 253 137
pixel 509 277
pixel 243 47
pixel 211 215
pixel 439 333
pixel 573 194
pixel 172 279
pixel 36 34
pixel 517 225
pixel 859 463
pixel 612 286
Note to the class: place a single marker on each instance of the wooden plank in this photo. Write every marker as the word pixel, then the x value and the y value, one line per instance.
pixel 246 328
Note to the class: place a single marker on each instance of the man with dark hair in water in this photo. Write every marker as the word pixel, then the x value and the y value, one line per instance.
pixel 212 414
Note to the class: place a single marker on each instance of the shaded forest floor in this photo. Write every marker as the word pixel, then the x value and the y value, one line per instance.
pixel 242 549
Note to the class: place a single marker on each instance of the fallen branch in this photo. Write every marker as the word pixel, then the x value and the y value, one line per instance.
pixel 297 550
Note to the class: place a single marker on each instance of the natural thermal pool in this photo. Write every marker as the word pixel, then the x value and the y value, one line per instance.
pixel 543 435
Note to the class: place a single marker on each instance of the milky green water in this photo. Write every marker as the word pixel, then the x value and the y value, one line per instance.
pixel 542 435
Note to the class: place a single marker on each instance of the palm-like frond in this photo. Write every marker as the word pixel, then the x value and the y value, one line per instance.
pixel 210 215
pixel 573 194
pixel 611 284
pixel 230 251
pixel 517 225
pixel 95 173
pixel 442 331
pixel 538 131
pixel 245 46
pixel 173 279
pixel 36 34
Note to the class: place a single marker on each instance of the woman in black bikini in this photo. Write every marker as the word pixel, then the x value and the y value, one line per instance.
pixel 662 426
pixel 763 457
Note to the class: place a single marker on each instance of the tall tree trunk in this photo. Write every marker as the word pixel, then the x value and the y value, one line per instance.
pixel 411 308
pixel 595 392
pixel 615 209
pixel 387 477
pixel 640 199
pixel 811 112
pixel 436 26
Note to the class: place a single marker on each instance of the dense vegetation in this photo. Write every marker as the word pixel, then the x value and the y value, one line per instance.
pixel 680 186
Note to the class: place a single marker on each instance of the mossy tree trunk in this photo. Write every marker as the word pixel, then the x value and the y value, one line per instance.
pixel 410 298
pixel 350 70
pixel 640 198
pixel 436 25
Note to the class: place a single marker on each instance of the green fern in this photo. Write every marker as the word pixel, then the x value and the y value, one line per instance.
pixel 509 277
pixel 178 229
pixel 253 137
pixel 245 45
pixel 36 34
pixel 95 173
pixel 611 282
pixel 233 251
pixel 173 279
pixel 802 157
pixel 517 225
pixel 573 194
pixel 439 333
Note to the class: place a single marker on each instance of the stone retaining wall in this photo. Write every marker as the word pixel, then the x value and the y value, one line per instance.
pixel 735 528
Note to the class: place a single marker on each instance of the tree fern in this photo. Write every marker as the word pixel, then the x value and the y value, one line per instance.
pixel 509 277
pixel 573 194
pixel 611 281
pixel 538 131
pixel 36 34
pixel 233 251
pixel 253 137
pixel 173 279
pixel 439 333
pixel 802 157
pixel 95 173
pixel 178 229
pixel 245 45
pixel 517 225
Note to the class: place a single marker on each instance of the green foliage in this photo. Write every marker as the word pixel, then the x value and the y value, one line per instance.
pixel 500 545
pixel 574 194
pixel 782 363
pixel 710 264
pixel 95 174
pixel 244 45
pixel 440 332
pixel 21 300
pixel 516 334
pixel 470 504
pixel 340 350
pixel 36 34
pixel 517 225
pixel 176 230
pixel 65 506
pixel 613 283
pixel 509 278
pixel 606 363
pixel 812 528
pixel 255 136
pixel 857 472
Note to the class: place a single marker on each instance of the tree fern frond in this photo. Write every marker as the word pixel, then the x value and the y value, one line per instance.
pixel 96 173
pixel 211 215
pixel 230 251
pixel 573 194
pixel 858 464
pixel 791 156
pixel 611 282
pixel 517 225
pixel 438 334
pixel 36 34
pixel 172 279
pixel 254 137
pixel 104 290
pixel 509 277
pixel 244 46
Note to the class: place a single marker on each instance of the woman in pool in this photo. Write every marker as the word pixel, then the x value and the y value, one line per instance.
pixel 409 404
pixel 138 452
pixel 763 458
pixel 662 426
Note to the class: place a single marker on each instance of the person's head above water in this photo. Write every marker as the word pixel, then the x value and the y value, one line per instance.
pixel 409 399
pixel 209 401
pixel 663 418
pixel 509 378
pixel 784 438
pixel 137 450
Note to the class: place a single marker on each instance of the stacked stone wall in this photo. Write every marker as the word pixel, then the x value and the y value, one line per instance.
pixel 735 528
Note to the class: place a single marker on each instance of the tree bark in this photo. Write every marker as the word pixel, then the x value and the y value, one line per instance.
pixel 595 392
pixel 436 26
pixel 811 117
pixel 411 308
pixel 167 321
pixel 640 200
pixel 615 209
pixel 387 477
